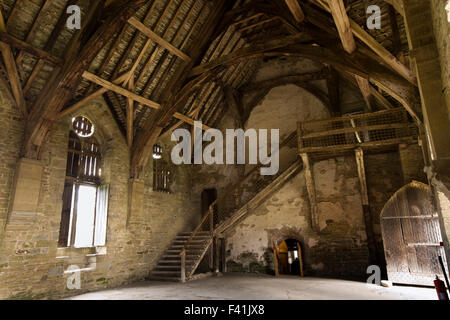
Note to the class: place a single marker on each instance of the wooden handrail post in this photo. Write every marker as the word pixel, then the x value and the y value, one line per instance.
pixel 216 255
pixel 183 265
pixel 211 219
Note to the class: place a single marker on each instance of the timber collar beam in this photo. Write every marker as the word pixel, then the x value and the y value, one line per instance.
pixel 22 45
pixel 153 36
pixel 133 96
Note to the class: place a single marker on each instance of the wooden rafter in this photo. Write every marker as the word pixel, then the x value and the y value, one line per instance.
pixel 133 97
pixel 149 33
pixel 252 50
pixel 296 10
pixel 11 69
pixel 342 22
pixel 59 88
pixel 387 57
pixel 155 124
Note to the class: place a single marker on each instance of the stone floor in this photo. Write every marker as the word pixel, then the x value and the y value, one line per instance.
pixel 260 287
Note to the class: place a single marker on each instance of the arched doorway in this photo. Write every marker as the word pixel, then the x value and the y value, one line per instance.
pixel 411 236
pixel 289 257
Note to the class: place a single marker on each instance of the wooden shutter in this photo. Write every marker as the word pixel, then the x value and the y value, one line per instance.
pixel 101 215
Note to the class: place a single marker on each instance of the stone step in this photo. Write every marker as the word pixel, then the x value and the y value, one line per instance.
pixel 159 278
pixel 188 247
pixel 194 240
pixel 165 273
pixel 189 252
pixel 177 257
pixel 167 268
pixel 200 233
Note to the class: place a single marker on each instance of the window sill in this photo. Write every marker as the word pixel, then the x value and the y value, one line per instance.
pixel 67 252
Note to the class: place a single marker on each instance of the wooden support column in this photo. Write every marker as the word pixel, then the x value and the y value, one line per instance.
pixel 275 259
pixel 371 244
pixel 223 252
pixel 217 255
pixel 309 177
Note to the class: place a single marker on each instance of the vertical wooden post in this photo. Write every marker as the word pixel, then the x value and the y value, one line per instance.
pixel 223 254
pixel 300 259
pixel 311 191
pixel 183 265
pixel 299 135
pixel 211 219
pixel 371 244
pixel 216 256
pixel 211 256
pixel 275 259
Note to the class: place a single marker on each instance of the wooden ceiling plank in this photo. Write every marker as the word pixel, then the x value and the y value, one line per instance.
pixel 48 46
pixel 32 30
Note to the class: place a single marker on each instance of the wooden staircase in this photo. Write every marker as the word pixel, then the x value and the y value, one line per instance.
pixel 184 255
pixel 169 266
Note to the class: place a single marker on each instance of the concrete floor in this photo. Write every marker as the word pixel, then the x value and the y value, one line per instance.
pixel 260 287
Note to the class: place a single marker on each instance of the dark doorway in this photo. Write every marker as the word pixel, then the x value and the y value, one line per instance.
pixel 208 197
pixel 290 260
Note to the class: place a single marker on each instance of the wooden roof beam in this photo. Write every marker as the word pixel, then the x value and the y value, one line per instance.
pixel 387 57
pixel 22 45
pixel 59 88
pixel 11 70
pixel 175 92
pixel 150 34
pixel 342 22
pixel 259 48
pixel 296 10
pixel 132 96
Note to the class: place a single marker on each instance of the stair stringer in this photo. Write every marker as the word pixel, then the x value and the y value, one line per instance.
pixel 199 259
pixel 231 222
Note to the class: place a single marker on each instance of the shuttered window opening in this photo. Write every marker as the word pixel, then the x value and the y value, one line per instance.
pixel 85 199
pixel 162 176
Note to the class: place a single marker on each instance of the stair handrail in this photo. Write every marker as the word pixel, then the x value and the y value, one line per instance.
pixel 241 181
pixel 209 216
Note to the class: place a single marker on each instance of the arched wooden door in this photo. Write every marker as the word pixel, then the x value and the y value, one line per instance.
pixel 411 236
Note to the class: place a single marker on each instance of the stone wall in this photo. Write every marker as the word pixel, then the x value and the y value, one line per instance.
pixel 32 265
pixel 338 249
pixel 442 35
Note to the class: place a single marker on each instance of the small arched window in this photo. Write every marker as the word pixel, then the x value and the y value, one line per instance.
pixel 85 200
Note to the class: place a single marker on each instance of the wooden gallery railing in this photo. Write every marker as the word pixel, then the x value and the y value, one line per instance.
pixel 234 198
pixel 387 127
